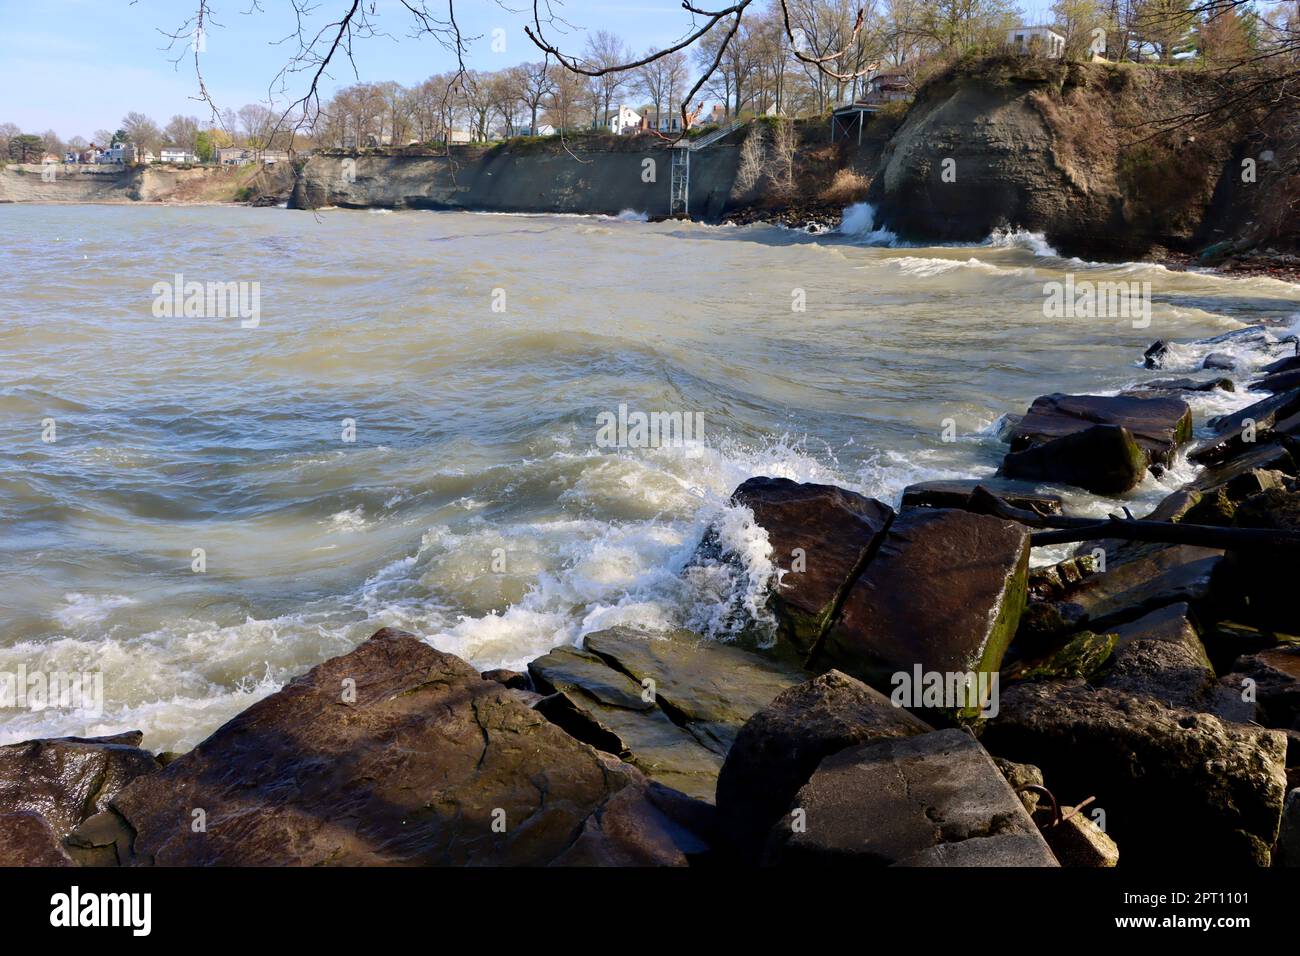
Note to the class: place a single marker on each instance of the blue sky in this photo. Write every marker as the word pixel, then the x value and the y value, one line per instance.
pixel 76 66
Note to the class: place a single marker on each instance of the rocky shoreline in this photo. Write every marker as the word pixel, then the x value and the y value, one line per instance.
pixel 930 699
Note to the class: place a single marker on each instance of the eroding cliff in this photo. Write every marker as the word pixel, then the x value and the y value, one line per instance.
pixel 1070 150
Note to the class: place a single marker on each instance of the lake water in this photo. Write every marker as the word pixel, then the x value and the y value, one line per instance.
pixel 206 524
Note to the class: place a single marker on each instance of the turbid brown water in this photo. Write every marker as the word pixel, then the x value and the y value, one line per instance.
pixel 477 504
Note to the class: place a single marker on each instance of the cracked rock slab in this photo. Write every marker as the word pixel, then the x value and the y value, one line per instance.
pixel 935 799
pixel 819 535
pixel 708 687
pixel 606 708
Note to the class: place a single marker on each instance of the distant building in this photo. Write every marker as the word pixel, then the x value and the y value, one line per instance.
pixel 122 154
pixel 271 156
pixel 1039 41
pixel 526 129
pixel 232 156
pixel 175 154
pixel 716 117
pixel 622 120
pixel 669 122
pixel 887 88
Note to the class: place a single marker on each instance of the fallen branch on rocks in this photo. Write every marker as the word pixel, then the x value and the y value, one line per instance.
pixel 1066 529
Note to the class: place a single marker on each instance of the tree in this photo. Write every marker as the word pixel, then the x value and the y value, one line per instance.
pixel 1076 20
pixel 1165 27
pixel 604 51
pixel 182 131
pixel 26 148
pixel 536 84
pixel 661 82
pixel 7 132
pixel 140 130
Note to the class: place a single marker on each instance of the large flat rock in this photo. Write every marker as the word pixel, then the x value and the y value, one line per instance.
pixel 944 592
pixel 607 709
pixel 1177 787
pixel 1141 578
pixel 709 688
pixel 914 801
pixel 820 536
pixel 393 754
pixel 1159 423
pixel 780 746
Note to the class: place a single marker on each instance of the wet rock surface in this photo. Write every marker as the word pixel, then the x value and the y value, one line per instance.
pixel 780 746
pixel 825 532
pixel 944 592
pixel 708 687
pixel 607 709
pixel 957 494
pixel 393 754
pixel 68 779
pixel 1159 424
pixel 1103 459
pixel 934 799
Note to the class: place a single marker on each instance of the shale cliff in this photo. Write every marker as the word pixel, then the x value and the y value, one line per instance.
pixel 113 183
pixel 1070 150
pixel 519 176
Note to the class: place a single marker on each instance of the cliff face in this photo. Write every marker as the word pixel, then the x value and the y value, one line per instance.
pixel 1057 148
pixel 529 177
pixel 109 183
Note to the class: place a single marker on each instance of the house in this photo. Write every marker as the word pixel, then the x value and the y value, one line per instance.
pixel 887 87
pixel 669 122
pixel 622 120
pixel 543 129
pixel 122 154
pixel 272 156
pixel 175 154
pixel 1040 41
pixel 233 156
pixel 715 117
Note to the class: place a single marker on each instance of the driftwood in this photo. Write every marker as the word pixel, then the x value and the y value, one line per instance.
pixel 1066 529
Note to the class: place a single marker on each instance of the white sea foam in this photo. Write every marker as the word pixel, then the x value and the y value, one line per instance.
pixel 859 222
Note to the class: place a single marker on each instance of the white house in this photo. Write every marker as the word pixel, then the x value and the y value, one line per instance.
pixel 1042 41
pixel 623 120
pixel 175 154
pixel 526 129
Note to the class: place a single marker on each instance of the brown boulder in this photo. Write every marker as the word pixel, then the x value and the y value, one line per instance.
pixel 1177 787
pixel 930 800
pixel 944 592
pixel 67 779
pixel 1103 459
pixel 1159 424
pixel 27 839
pixel 782 744
pixel 393 754
pixel 826 531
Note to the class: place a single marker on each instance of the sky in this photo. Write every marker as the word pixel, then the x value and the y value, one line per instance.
pixel 77 66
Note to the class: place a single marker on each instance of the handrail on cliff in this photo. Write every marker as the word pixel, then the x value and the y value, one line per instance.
pixel 708 139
